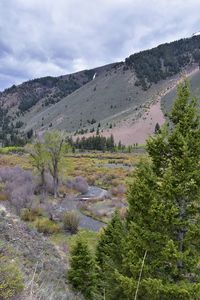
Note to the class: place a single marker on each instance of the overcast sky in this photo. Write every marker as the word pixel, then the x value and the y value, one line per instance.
pixel 55 37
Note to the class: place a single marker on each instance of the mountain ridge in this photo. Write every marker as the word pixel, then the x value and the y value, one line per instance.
pixel 104 95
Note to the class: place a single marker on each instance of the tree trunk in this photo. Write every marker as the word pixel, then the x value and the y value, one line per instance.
pixel 55 183
pixel 55 187
pixel 43 184
pixel 181 231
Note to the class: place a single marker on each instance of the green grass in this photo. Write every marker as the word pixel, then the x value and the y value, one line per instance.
pixel 95 217
pixel 13 149
pixel 89 236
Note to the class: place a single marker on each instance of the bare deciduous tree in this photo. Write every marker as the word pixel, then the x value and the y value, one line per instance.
pixel 54 145
pixel 39 159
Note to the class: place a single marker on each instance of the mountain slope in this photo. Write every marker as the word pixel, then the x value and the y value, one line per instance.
pixel 49 90
pixel 167 100
pixel 107 95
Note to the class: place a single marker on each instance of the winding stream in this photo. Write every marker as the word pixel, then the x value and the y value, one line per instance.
pixel 73 203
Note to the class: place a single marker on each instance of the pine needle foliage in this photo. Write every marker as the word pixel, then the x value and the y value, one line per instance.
pixel 162 222
pixel 82 272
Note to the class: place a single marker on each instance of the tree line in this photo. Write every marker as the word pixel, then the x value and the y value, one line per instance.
pixel 164 61
pixel 94 143
pixel 100 143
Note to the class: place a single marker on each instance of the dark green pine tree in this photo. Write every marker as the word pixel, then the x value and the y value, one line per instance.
pixel 162 249
pixel 82 272
pixel 157 128
pixel 110 143
pixel 109 257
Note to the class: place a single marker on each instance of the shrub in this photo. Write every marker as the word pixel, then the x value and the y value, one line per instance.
pixel 71 221
pixel 19 187
pixel 3 196
pixel 2 212
pixel 121 189
pixel 81 185
pixel 49 183
pixel 115 182
pixel 47 226
pixel 70 184
pixel 37 211
pixel 63 190
pixel 30 215
pixel 114 191
pixel 26 215
pixel 11 281
pixel 91 180
pixel 12 149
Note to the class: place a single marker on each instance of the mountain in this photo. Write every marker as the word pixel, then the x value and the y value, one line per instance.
pixel 116 98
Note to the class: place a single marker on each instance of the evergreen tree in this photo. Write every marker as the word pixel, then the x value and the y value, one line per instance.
pixel 97 132
pixel 82 274
pixel 30 134
pixel 119 145
pixel 161 252
pixel 157 128
pixel 109 257
pixel 110 144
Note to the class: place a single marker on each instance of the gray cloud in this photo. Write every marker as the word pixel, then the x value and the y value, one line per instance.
pixel 40 38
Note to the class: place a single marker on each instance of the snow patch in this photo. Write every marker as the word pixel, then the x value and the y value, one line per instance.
pixel 94 76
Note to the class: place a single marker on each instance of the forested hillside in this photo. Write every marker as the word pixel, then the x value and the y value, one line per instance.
pixel 164 61
pixel 50 89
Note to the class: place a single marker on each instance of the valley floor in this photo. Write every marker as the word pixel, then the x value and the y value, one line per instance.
pixel 43 258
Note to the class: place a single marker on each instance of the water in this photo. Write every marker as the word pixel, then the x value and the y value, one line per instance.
pixel 73 204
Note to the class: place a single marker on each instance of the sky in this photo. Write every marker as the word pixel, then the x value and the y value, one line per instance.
pixel 55 37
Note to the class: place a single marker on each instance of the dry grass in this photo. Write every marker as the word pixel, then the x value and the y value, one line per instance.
pixel 90 166
pixel 96 168
pixel 102 210
pixel 66 242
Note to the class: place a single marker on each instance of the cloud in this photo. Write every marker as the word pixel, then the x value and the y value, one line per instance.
pixel 40 38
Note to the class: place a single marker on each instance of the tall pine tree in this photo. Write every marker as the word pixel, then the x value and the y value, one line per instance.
pixel 162 250
pixel 109 257
pixel 82 272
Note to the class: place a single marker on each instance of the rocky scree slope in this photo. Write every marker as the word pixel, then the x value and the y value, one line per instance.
pixel 43 268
